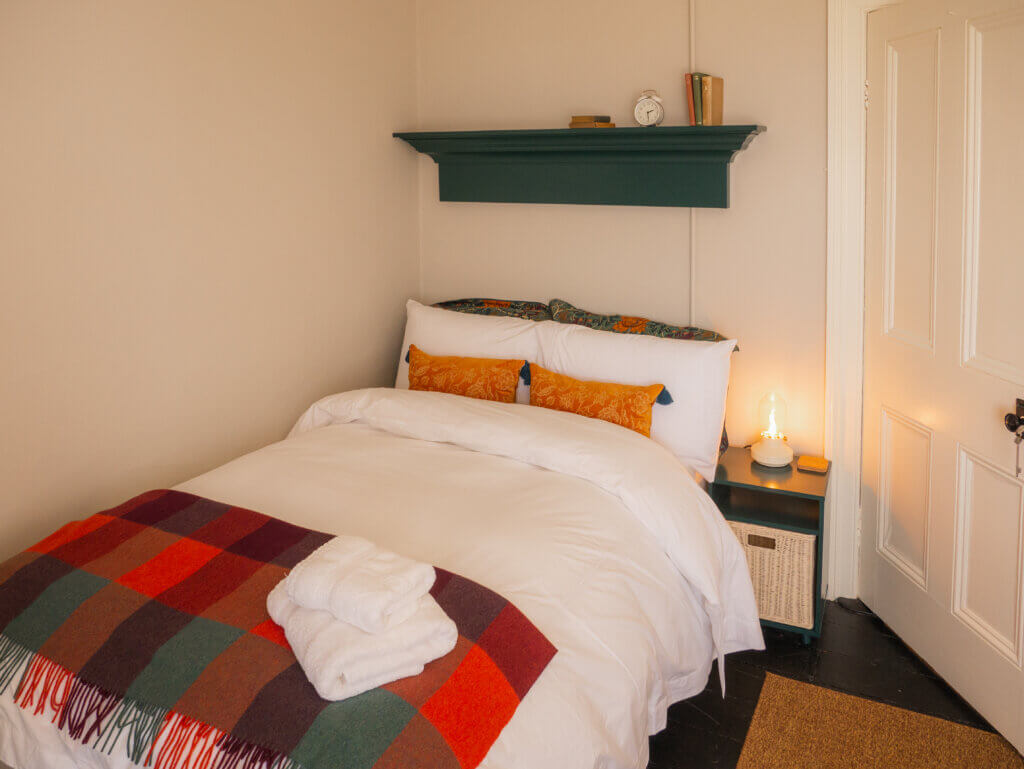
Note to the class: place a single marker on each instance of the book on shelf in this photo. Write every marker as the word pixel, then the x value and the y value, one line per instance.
pixel 712 91
pixel 698 113
pixel 591 124
pixel 704 95
pixel 591 119
pixel 688 93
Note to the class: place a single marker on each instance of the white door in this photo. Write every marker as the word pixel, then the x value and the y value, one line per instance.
pixel 942 543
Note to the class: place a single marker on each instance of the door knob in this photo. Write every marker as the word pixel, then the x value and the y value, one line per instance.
pixel 1014 422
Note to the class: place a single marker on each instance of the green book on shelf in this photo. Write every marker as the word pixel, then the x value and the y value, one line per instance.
pixel 697 90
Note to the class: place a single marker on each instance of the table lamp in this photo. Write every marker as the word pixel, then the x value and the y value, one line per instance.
pixel 772 450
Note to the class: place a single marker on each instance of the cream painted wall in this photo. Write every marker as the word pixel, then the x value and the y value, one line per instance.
pixel 761 262
pixel 204 225
pixel 760 265
pixel 531 64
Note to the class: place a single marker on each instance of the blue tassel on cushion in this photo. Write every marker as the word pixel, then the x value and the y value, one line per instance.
pixel 664 397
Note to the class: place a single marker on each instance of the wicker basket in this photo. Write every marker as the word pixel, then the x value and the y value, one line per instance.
pixel 782 570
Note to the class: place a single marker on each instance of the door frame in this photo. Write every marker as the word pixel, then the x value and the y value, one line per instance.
pixel 844 286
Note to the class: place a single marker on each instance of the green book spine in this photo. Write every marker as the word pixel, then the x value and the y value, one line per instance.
pixel 697 97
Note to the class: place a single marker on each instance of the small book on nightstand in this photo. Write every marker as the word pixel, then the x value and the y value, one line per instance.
pixel 811 464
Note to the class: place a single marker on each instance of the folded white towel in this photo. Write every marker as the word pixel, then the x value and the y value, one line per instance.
pixel 359 583
pixel 342 661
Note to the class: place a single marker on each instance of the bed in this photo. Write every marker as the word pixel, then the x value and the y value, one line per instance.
pixel 599 536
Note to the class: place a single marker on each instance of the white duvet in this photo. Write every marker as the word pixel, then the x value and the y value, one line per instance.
pixel 597 534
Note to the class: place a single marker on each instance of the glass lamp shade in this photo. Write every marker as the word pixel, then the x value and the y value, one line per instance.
pixel 771 415
pixel 772 450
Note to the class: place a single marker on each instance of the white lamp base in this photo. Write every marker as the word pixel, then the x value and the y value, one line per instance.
pixel 772 452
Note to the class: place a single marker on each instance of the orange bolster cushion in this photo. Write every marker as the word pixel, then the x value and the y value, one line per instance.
pixel 488 379
pixel 626 405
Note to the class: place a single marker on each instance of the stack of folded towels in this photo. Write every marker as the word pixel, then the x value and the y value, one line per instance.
pixel 358 617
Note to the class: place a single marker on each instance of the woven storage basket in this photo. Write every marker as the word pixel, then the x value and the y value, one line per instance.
pixel 782 570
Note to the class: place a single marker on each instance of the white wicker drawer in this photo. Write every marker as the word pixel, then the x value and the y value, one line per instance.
pixel 782 570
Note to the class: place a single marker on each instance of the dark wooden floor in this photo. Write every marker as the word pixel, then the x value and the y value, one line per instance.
pixel 856 654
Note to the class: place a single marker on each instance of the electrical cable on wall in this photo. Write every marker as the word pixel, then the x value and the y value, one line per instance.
pixel 692 12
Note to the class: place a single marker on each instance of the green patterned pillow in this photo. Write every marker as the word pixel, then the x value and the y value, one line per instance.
pixel 564 312
pixel 511 308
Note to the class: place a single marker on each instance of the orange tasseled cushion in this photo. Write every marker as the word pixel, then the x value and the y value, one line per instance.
pixel 626 405
pixel 489 379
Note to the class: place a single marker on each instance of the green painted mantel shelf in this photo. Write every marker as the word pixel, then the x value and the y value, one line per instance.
pixel 662 166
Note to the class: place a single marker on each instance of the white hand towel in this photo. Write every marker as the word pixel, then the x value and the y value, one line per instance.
pixel 359 583
pixel 342 661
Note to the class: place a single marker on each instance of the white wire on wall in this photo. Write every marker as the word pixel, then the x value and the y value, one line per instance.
pixel 692 13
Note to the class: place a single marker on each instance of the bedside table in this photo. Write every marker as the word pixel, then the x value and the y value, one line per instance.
pixel 779 516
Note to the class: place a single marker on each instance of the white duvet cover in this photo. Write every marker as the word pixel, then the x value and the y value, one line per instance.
pixel 597 534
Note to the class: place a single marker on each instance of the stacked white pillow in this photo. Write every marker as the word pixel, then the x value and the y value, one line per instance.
pixel 445 332
pixel 696 374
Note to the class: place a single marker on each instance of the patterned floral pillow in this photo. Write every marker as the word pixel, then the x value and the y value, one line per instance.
pixel 489 379
pixel 626 405
pixel 512 308
pixel 564 312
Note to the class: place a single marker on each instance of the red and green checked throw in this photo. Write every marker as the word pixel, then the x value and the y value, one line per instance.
pixel 144 630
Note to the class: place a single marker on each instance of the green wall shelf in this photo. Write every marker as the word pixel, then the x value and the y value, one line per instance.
pixel 661 166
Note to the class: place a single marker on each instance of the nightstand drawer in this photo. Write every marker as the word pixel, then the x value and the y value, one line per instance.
pixel 782 572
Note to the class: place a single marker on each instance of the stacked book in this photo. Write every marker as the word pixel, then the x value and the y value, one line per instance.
pixel 591 121
pixel 704 96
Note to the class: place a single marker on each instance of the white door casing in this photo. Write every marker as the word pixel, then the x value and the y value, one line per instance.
pixel 844 276
pixel 942 555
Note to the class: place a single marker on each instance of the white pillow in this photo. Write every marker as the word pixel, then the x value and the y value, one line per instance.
pixel 446 332
pixel 696 375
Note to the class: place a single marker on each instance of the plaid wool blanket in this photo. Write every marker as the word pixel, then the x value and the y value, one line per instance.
pixel 143 632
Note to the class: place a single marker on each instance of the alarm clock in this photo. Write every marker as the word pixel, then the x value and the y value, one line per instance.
pixel 649 110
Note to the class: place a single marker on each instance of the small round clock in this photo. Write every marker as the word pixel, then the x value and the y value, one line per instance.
pixel 649 110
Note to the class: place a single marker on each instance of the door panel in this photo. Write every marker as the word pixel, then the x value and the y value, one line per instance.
pixel 994 268
pixel 911 144
pixel 905 494
pixel 942 560
pixel 987 573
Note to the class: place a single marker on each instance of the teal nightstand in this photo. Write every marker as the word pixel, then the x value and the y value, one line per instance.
pixel 783 499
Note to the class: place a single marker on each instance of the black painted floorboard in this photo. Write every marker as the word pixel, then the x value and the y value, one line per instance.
pixel 856 654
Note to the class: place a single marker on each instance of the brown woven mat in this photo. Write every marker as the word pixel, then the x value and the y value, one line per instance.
pixel 798 725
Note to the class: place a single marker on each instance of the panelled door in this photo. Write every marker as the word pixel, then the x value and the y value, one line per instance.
pixel 942 541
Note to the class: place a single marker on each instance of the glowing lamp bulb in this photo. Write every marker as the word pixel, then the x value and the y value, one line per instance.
pixel 772 450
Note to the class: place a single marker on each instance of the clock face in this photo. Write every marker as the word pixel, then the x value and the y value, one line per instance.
pixel 648 111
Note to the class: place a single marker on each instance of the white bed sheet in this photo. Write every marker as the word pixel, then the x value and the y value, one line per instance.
pixel 592 550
